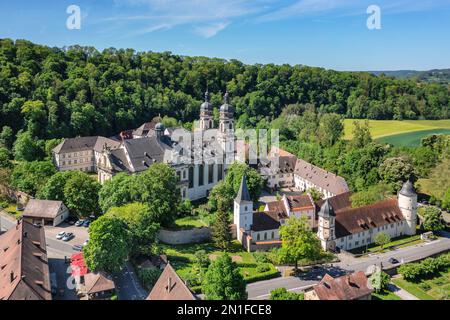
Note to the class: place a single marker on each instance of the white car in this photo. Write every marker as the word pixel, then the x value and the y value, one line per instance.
pixel 85 243
pixel 60 235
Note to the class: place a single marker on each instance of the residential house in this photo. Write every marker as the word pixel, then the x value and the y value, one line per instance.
pixel 45 212
pixel 170 287
pixel 349 287
pixel 98 285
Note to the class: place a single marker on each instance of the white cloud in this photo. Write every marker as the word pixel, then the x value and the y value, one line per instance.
pixel 206 17
pixel 211 30
pixel 209 17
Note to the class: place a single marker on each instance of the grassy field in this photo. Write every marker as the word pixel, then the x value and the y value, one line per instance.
pixel 189 222
pixel 437 288
pixel 384 128
pixel 401 242
pixel 385 295
pixel 182 257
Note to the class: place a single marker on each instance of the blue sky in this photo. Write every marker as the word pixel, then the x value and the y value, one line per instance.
pixel 326 33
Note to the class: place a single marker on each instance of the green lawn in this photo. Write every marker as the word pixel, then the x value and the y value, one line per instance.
pixel 182 257
pixel 436 288
pixel 404 241
pixel 189 222
pixel 384 128
pixel 385 295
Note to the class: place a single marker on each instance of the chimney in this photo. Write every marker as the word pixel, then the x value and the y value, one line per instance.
pixel 11 276
pixel 169 283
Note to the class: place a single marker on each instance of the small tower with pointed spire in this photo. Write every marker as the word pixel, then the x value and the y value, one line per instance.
pixel 243 209
pixel 407 202
pixel 206 114
pixel 327 226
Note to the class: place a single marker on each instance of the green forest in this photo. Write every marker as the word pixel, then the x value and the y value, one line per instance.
pixel 66 92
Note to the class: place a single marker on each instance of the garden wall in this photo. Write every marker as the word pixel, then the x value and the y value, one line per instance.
pixel 195 235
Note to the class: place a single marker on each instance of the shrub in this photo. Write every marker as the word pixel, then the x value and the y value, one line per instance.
pixel 201 259
pixel 260 257
pixel 283 294
pixel 426 268
pixel 261 268
pixel 148 276
pixel 424 286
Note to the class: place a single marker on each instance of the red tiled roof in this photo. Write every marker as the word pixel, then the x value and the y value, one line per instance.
pixel 348 287
pixel 24 273
pixel 300 202
pixel 356 220
pixel 320 177
pixel 170 287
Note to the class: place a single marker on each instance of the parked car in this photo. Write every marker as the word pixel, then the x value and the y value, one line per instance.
pixel 393 261
pixel 77 247
pixel 60 235
pixel 69 236
pixel 79 223
pixel 85 243
pixel 86 223
pixel 71 220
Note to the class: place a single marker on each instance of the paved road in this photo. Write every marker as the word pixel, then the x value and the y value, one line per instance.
pixel 128 285
pixel 261 290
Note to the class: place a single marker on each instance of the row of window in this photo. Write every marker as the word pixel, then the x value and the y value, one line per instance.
pixel 258 236
pixel 201 176
pixel 76 154
pixel 77 161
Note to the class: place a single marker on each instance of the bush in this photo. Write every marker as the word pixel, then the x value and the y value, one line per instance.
pixel 201 259
pixel 283 294
pixel 114 297
pixel 424 269
pixel 148 276
pixel 260 257
pixel 424 286
pixel 193 279
pixel 261 268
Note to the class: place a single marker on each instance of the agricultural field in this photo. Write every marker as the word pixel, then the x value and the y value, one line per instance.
pixel 402 133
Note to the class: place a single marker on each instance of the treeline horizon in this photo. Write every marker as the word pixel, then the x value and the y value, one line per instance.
pixel 79 91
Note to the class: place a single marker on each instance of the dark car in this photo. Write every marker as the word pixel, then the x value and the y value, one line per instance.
pixel 393 261
pixel 69 236
pixel 86 223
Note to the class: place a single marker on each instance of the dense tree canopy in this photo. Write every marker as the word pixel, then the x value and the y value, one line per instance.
pixel 30 177
pixel 109 244
pixel 223 280
pixel 143 228
pixel 53 93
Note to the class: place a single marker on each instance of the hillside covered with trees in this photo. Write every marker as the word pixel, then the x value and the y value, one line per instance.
pixel 53 93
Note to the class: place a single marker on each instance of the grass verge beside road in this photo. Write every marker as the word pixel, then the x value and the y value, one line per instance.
pixel 400 242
